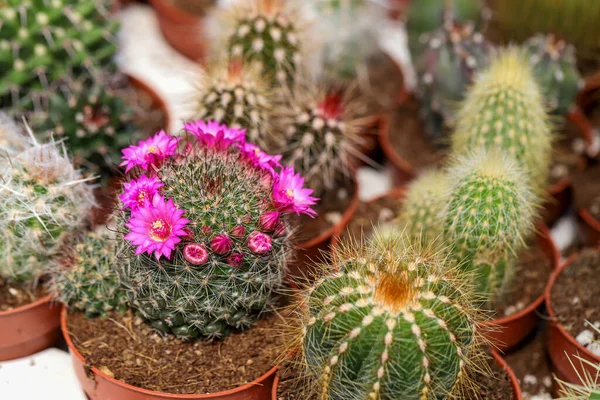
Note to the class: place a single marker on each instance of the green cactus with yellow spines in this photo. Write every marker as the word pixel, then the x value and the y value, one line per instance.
pixel 393 320
pixel 505 109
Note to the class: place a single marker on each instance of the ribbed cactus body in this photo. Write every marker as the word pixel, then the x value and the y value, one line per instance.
pixel 489 216
pixel 392 324
pixel 505 109
pixel 555 68
pixel 266 34
pixel 43 201
pixel 453 55
pixel 42 41
pixel 85 277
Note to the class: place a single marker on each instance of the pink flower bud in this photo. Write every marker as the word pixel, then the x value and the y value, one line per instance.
pixel 259 243
pixel 195 253
pixel 206 230
pixel 235 259
pixel 221 244
pixel 280 229
pixel 189 233
pixel 238 231
pixel 268 221
pixel 247 218
pixel 266 180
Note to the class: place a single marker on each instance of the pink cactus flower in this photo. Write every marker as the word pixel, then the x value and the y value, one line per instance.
pixel 156 227
pixel 269 220
pixel 259 158
pixel 195 253
pixel 235 259
pixel 221 244
pixel 259 243
pixel 212 134
pixel 138 191
pixel 289 194
pixel 150 152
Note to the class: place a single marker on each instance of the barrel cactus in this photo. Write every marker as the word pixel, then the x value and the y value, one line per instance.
pixel 44 202
pixel 393 320
pixel 206 225
pixel 489 215
pixel 42 41
pixel 447 66
pixel 12 138
pixel 555 67
pixel 84 277
pixel 505 108
pixel 236 95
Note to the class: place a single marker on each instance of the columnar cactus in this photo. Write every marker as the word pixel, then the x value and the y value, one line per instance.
pixel 43 202
pixel 85 278
pixel 207 229
pixel 555 67
pixel 236 95
pixel 423 206
pixel 41 41
pixel 394 322
pixel 505 109
pixel 266 32
pixel 452 56
pixel 489 215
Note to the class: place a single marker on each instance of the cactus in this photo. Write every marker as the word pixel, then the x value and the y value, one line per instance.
pixel 12 139
pixel 236 95
pixel 42 41
pixel 394 322
pixel 453 55
pixel 317 132
pixel 505 108
pixel 85 278
pixel 266 32
pixel 44 201
pixel 489 215
pixel 423 206
pixel 207 231
pixel 555 67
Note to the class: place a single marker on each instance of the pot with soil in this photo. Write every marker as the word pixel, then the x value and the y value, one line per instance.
pixel 587 202
pixel 571 300
pixel 182 24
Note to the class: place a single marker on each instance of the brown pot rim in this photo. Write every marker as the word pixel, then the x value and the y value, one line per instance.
pixel 27 307
pixel 161 102
pixel 514 382
pixel 275 388
pixel 346 218
pixel 388 149
pixel 544 232
pixel 96 371
pixel 174 13
pixel 552 314
pixel 589 219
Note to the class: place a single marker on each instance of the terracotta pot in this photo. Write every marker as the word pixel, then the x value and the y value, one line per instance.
pixel 402 171
pixel 317 248
pixel 275 388
pixel 183 31
pixel 562 346
pixel 590 228
pixel 507 332
pixel 157 101
pixel 514 382
pixel 561 197
pixel 99 386
pixel 29 329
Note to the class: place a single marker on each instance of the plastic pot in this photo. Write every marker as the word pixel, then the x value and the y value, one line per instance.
pixel 99 386
pixel 157 101
pixel 275 388
pixel 562 346
pixel 184 31
pixel 29 329
pixel 402 171
pixel 561 197
pixel 508 332
pixel 514 382
pixel 590 228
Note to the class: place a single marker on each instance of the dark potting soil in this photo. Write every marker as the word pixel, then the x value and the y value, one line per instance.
pixel 531 365
pixel 565 164
pixel 381 89
pixel 576 291
pixel 330 210
pixel 587 190
pixel 196 7
pixel 533 270
pixel 13 295
pixel 125 347
pixel 149 116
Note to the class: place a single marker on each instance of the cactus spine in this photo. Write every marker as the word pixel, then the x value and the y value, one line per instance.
pixel 589 389
pixel 12 140
pixel 504 109
pixel 394 323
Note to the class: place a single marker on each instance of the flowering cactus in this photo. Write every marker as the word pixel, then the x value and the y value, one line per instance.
pixel 44 201
pixel 393 320
pixel 84 277
pixel 205 219
pixel 489 215
pixel 505 108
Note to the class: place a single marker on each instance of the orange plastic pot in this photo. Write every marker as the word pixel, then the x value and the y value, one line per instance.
pixel 508 332
pixel 562 346
pixel 590 228
pixel 275 388
pixel 99 386
pixel 29 329
pixel 514 382
pixel 561 197
pixel 402 171
pixel 157 101
pixel 184 31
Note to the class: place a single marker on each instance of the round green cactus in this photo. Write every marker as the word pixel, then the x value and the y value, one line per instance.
pixel 394 322
pixel 42 41
pixel 555 67
pixel 490 214
pixel 44 201
pixel 505 109
pixel 265 33
pixel 85 277
pixel 12 138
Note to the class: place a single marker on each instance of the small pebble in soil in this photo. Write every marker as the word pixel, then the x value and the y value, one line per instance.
pixel 578 146
pixel 333 218
pixel 510 310
pixel 559 171
pixel 590 338
pixel 386 215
